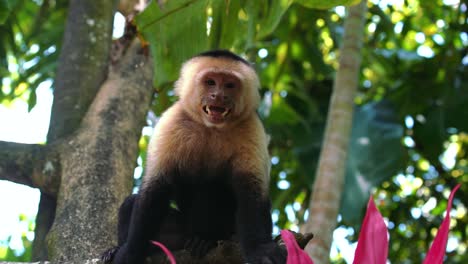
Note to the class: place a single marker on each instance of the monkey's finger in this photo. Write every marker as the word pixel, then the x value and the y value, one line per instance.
pixel 206 247
pixel 190 243
pixel 109 255
pixel 199 248
pixel 266 260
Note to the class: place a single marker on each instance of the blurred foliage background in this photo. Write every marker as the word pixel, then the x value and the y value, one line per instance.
pixel 409 143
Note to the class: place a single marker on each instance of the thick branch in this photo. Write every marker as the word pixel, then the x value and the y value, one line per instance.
pixel 82 68
pixel 225 252
pixel 88 261
pixel 44 220
pixel 97 164
pixel 30 164
pixel 83 63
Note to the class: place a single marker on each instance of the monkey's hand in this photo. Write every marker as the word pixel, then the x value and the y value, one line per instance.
pixel 122 255
pixel 108 256
pixel 199 247
pixel 268 253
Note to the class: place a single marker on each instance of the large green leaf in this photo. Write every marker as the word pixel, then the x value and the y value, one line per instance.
pixel 375 154
pixel 5 9
pixel 205 24
pixel 176 31
pixel 227 29
pixel 266 15
pixel 325 4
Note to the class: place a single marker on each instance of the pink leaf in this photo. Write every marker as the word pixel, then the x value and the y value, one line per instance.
pixel 437 251
pixel 166 251
pixel 295 254
pixel 372 247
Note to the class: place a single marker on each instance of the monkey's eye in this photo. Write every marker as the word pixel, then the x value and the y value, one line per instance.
pixel 230 85
pixel 210 82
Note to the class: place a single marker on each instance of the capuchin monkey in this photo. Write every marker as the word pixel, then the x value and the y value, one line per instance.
pixel 209 157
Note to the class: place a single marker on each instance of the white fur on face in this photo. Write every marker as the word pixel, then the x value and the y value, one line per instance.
pixel 194 69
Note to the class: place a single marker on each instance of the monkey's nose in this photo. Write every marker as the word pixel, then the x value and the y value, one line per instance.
pixel 217 96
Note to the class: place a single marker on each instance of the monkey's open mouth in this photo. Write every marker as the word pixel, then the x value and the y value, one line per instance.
pixel 216 114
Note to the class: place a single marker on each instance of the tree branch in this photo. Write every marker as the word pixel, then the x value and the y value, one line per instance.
pixel 91 261
pixel 33 165
pixel 224 252
pixel 82 68
pixel 98 161
pixel 83 63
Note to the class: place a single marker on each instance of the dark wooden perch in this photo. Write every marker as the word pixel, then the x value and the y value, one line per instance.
pixel 225 252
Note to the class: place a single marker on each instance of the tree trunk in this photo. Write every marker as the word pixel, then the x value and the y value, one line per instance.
pixel 328 185
pixel 98 162
pixel 44 220
pixel 86 169
pixel 82 67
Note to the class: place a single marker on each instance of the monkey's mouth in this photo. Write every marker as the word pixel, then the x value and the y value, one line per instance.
pixel 216 114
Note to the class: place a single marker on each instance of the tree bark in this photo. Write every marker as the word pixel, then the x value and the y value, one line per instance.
pixel 33 165
pixel 328 185
pixel 86 168
pixel 98 162
pixel 83 63
pixel 44 220
pixel 82 67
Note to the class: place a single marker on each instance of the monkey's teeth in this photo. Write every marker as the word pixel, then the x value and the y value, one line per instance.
pixel 225 112
pixel 208 110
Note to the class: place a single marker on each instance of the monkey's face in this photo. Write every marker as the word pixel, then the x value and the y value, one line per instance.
pixel 218 94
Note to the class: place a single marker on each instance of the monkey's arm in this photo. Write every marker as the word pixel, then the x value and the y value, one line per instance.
pixel 254 224
pixel 151 205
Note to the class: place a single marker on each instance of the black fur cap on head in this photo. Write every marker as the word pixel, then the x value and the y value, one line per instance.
pixel 224 54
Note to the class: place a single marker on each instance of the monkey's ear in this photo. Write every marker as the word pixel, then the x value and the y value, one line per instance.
pixel 179 84
pixel 178 87
pixel 187 74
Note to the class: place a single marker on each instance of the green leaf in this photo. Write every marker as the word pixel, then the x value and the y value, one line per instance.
pixel 282 113
pixel 5 9
pixel 319 4
pixel 375 154
pixel 204 24
pixel 169 28
pixel 266 15
pixel 227 29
